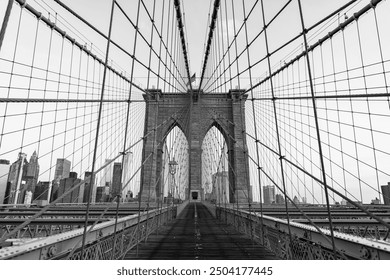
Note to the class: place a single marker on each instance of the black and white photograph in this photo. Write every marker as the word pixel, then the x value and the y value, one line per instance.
pixel 231 139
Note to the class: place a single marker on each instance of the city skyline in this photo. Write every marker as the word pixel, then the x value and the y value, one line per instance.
pixel 63 179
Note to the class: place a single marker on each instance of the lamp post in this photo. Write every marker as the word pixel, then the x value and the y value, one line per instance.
pixel 172 170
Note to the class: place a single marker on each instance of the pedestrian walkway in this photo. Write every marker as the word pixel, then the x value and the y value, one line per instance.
pixel 196 234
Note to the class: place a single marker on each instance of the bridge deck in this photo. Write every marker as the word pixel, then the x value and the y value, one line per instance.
pixel 196 234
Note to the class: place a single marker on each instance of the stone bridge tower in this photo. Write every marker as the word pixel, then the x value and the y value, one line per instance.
pixel 195 113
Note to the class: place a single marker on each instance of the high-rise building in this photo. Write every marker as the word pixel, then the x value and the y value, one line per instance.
pixel 16 180
pixel 127 160
pixel 269 194
pixel 76 195
pixel 116 180
pixel 62 168
pixel 87 186
pixel 101 194
pixel 386 193
pixel 41 191
pixel 32 174
pixel 106 177
pixel 4 169
pixel 28 197
pixel 62 171
pixel 279 199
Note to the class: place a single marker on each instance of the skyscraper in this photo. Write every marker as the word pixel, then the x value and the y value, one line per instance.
pixel 106 177
pixel 117 180
pixel 386 193
pixel 41 191
pixel 32 173
pixel 16 179
pixel 4 169
pixel 62 168
pixel 62 171
pixel 127 160
pixel 279 199
pixel 28 197
pixel 269 194
pixel 87 186
pixel 76 195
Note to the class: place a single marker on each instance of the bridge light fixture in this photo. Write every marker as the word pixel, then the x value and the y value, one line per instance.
pixel 172 166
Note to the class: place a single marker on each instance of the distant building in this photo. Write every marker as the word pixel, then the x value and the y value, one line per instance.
pixel 343 202
pixel 17 180
pixel 87 186
pixel 296 200
pixel 32 174
pixel 126 172
pixel 269 194
pixel 62 168
pixel 375 201
pixel 279 199
pixel 102 195
pixel 76 195
pixel 106 177
pixel 250 193
pixel 386 193
pixel 116 180
pixel 62 171
pixel 53 189
pixel 4 169
pixel 28 197
pixel 41 191
pixel 220 188
pixel 349 204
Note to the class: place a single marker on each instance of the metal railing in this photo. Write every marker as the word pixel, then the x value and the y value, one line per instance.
pixel 103 242
pixel 306 242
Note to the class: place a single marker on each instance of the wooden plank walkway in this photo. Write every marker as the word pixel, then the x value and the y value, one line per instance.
pixel 196 234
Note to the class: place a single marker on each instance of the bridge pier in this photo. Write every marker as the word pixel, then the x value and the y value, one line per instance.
pixel 195 117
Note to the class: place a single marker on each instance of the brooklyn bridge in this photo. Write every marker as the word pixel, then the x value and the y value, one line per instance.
pixel 176 129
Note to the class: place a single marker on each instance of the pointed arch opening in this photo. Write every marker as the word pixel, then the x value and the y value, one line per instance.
pixel 215 166
pixel 175 165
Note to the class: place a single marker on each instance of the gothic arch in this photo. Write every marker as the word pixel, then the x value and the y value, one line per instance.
pixel 224 110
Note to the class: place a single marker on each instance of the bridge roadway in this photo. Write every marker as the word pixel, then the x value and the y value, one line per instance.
pixel 196 234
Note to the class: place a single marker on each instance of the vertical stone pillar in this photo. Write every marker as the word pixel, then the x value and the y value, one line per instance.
pixel 195 160
pixel 150 147
pixel 239 150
